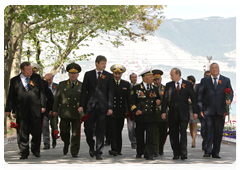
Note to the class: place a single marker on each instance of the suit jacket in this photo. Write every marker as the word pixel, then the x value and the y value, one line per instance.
pixel 91 92
pixel 158 108
pixel 178 103
pixel 68 97
pixel 145 101
pixel 23 101
pixel 213 101
pixel 49 97
pixel 121 99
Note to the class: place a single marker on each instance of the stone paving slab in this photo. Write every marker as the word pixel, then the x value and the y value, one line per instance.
pixel 55 156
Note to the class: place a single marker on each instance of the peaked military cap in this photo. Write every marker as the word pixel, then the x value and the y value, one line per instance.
pixel 157 73
pixel 35 67
pixel 118 68
pixel 73 68
pixel 147 71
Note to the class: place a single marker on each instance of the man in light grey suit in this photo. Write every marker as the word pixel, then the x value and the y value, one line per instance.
pixel 49 118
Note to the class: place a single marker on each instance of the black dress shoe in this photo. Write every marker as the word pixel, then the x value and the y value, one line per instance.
pixel 184 157
pixel 91 153
pixel 23 157
pixel 98 157
pixel 161 153
pixel 155 154
pixel 74 156
pixel 215 156
pixel 138 156
pixel 150 158
pixel 37 154
pixel 114 153
pixel 65 149
pixel 193 146
pixel 46 147
pixel 134 147
pixel 206 155
pixel 119 153
pixel 175 157
pixel 54 145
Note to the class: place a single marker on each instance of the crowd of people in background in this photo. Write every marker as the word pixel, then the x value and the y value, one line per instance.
pixel 153 111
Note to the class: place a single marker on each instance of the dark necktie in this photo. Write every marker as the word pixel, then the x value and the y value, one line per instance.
pixel 178 88
pixel 27 83
pixel 215 83
pixel 147 86
pixel 99 73
pixel 72 85
pixel 117 82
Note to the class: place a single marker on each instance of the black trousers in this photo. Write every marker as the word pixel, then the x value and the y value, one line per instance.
pixel 96 118
pixel 202 120
pixel 116 126
pixel 179 145
pixel 142 147
pixel 213 133
pixel 160 135
pixel 29 125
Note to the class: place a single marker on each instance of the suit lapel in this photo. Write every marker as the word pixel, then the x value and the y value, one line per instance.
pixel 210 81
pixel 219 83
pixel 102 77
pixel 19 81
pixel 94 76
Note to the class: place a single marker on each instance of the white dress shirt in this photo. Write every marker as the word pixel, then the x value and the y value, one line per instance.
pixel 145 85
pixel 216 79
pixel 97 73
pixel 180 84
pixel 23 79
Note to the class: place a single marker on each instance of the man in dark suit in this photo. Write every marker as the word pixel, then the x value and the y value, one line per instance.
pixel 49 118
pixel 143 100
pixel 26 96
pixel 97 101
pixel 120 107
pixel 67 97
pixel 49 100
pixel 176 95
pixel 202 119
pixel 212 103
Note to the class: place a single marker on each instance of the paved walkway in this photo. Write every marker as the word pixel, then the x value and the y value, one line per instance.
pixel 55 156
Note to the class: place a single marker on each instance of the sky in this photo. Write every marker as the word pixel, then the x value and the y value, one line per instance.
pixel 199 11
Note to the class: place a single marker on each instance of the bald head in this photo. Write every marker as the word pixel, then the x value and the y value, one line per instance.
pixel 49 78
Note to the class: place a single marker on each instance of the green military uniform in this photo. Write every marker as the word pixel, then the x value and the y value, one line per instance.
pixel 68 96
pixel 160 127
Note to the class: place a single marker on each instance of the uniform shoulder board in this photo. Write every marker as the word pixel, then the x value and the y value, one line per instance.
pixel 137 84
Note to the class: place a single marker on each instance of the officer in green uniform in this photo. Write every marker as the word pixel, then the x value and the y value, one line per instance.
pixel 160 127
pixel 143 100
pixel 68 95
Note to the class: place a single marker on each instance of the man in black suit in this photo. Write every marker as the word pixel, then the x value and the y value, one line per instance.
pixel 120 107
pixel 26 96
pixel 176 95
pixel 202 119
pixel 97 101
pixel 212 103
pixel 49 118
pixel 143 100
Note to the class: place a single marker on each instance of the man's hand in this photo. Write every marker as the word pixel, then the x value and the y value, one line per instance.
pixel 80 110
pixel 228 102
pixel 163 116
pixel 189 100
pixel 50 113
pixel 158 102
pixel 8 113
pixel 43 110
pixel 54 114
pixel 109 112
pixel 202 113
pixel 195 116
pixel 138 112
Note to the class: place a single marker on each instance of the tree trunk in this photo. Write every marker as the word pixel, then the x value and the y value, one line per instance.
pixel 8 65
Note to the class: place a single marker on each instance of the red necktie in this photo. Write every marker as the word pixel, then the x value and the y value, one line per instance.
pixel 99 73
pixel 178 88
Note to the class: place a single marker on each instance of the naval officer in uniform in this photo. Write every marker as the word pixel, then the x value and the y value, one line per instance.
pixel 68 95
pixel 120 107
pixel 143 100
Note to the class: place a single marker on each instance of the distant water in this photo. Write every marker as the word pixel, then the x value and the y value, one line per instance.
pixel 233 109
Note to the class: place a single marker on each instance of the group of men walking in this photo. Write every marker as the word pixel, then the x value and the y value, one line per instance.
pixel 150 109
